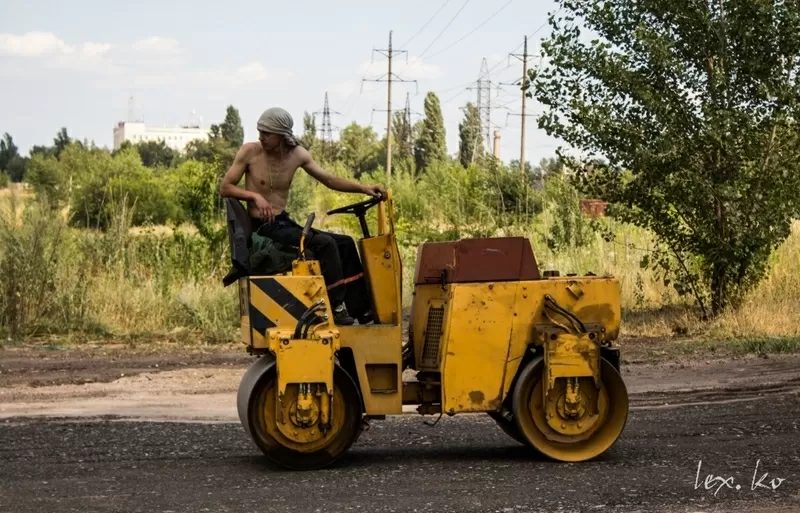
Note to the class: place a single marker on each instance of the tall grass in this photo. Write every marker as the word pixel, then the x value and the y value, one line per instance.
pixel 772 310
pixel 59 280
pixel 134 282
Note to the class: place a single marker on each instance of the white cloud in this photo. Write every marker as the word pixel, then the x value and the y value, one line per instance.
pixel 32 44
pixel 417 69
pixel 158 45
pixel 53 52
pixel 95 49
pixel 254 71
pixel 151 63
pixel 250 75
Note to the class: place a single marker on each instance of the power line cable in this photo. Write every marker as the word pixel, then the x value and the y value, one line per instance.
pixel 444 29
pixel 351 96
pixel 487 20
pixel 439 36
pixel 404 45
pixel 465 86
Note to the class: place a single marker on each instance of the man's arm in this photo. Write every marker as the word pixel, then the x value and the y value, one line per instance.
pixel 334 182
pixel 230 189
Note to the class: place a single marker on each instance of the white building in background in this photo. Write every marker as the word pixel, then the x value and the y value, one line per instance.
pixel 175 137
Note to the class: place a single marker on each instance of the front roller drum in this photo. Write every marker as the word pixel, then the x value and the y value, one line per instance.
pixel 257 412
pixel 570 434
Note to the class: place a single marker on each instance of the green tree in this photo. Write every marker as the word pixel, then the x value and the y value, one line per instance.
pixel 431 144
pixel 231 129
pixel 44 151
pixel 11 163
pixel 48 180
pixel 215 151
pixel 117 182
pixel 61 141
pixel 197 188
pixel 8 151
pixel 359 149
pixel 309 138
pixel 157 154
pixel 17 168
pixel 570 229
pixel 694 107
pixel 223 142
pixel 403 145
pixel 470 147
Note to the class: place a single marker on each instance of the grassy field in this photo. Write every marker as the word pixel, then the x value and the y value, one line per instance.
pixel 136 283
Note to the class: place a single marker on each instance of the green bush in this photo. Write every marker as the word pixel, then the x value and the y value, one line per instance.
pixel 124 181
pixel 571 229
pixel 48 180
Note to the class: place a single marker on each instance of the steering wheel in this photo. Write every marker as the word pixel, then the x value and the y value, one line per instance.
pixel 359 210
pixel 356 208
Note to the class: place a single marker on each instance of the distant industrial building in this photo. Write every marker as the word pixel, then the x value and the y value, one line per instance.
pixel 175 137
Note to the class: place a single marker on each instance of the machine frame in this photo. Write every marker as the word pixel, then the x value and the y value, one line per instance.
pixel 535 353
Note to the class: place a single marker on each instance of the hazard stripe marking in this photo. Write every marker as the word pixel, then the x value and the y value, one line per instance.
pixel 281 296
pixel 259 321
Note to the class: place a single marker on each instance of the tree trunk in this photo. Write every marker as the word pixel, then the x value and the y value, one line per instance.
pixel 719 288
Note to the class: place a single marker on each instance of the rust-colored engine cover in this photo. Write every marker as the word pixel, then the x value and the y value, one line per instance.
pixel 477 260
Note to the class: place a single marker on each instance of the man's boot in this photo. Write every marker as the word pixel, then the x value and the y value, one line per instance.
pixel 341 317
pixel 365 318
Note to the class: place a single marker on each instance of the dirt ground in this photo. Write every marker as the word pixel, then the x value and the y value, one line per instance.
pixel 181 384
pixel 146 428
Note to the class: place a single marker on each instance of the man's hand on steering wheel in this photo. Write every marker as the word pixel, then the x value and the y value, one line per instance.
pixel 376 191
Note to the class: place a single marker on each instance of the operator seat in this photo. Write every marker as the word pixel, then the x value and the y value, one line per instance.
pixel 240 229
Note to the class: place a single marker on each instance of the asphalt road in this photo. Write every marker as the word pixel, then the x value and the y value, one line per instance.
pixel 464 464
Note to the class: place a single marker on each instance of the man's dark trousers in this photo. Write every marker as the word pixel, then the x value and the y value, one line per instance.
pixel 337 255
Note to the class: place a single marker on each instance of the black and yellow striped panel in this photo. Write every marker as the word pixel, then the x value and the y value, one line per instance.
pixel 279 302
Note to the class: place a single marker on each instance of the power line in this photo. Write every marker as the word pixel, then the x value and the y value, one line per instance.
pixel 485 101
pixel 464 87
pixel 543 25
pixel 421 55
pixel 327 129
pixel 503 105
pixel 444 29
pixel 487 20
pixel 524 59
pixel 407 111
pixel 404 45
pixel 351 96
pixel 389 78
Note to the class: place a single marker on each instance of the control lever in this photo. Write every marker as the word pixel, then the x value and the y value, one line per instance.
pixel 306 231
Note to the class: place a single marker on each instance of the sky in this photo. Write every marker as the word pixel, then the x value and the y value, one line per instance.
pixel 78 64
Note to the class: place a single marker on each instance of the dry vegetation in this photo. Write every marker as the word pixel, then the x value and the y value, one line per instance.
pixel 134 283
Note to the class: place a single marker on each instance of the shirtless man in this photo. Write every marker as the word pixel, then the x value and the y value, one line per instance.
pixel 269 167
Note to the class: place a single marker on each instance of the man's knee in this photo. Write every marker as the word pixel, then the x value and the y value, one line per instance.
pixel 322 242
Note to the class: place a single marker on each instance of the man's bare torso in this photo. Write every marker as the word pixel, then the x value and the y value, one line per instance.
pixel 270 176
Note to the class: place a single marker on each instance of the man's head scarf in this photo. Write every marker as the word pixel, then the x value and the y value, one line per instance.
pixel 278 121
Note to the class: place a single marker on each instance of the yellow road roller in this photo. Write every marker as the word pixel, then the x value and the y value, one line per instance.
pixel 487 334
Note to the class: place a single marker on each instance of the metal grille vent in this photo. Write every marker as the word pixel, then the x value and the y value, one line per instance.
pixel 433 337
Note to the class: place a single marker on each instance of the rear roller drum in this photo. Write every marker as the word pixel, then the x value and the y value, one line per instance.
pixel 282 441
pixel 576 421
pixel 509 427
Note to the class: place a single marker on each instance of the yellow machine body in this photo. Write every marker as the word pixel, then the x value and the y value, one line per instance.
pixel 475 335
pixel 504 348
